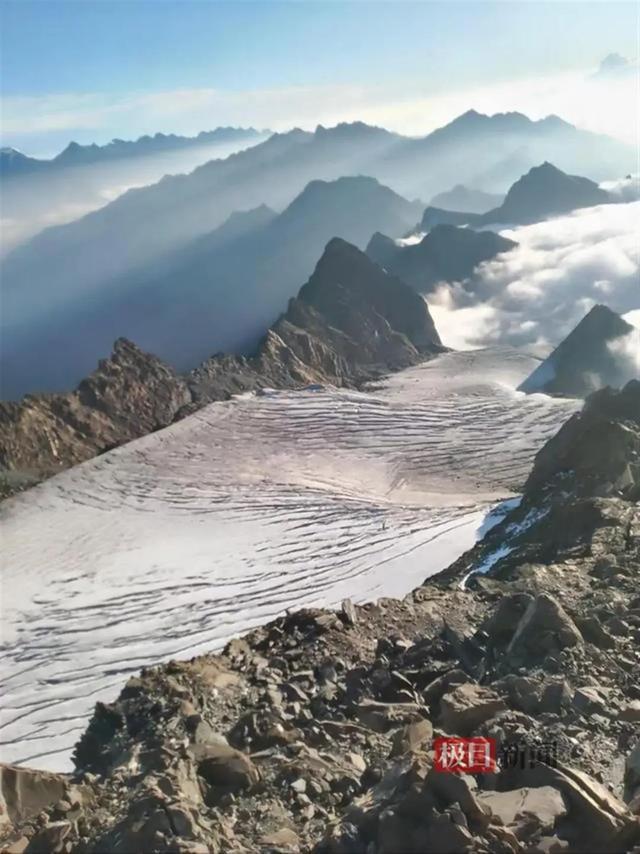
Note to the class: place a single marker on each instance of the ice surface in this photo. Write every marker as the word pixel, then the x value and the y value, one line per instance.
pixel 175 543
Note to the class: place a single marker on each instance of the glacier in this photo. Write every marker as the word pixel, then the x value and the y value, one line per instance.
pixel 173 544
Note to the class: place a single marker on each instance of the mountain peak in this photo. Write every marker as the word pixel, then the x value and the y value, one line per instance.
pixel 358 193
pixel 585 360
pixel 545 191
pixel 352 292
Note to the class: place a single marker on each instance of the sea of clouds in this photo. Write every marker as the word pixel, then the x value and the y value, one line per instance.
pixel 533 296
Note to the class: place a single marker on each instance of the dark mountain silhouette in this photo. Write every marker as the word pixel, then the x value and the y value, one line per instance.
pixel 14 162
pixel 446 253
pixel 585 360
pixel 350 322
pixel 461 198
pixel 218 293
pixel 543 192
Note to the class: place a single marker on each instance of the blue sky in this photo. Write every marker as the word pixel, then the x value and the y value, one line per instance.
pixel 94 69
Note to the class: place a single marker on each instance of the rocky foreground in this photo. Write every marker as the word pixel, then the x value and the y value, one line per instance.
pixel 316 732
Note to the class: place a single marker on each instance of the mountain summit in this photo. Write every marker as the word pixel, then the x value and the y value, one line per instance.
pixel 592 356
pixel 542 192
pixel 545 191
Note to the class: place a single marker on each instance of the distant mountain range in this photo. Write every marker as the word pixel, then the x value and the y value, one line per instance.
pixel 37 194
pixel 220 292
pixel 350 322
pixel 602 350
pixel 445 254
pixel 543 192
pixel 135 228
pixel 14 163
pixel 148 266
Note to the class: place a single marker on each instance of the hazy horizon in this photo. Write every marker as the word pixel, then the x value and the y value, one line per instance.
pixel 184 67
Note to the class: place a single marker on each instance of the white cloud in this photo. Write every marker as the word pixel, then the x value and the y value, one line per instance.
pixel 534 295
pixel 627 351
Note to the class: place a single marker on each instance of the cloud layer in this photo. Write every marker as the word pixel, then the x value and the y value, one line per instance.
pixel 536 294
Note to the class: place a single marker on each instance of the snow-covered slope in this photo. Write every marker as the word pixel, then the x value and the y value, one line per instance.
pixel 176 542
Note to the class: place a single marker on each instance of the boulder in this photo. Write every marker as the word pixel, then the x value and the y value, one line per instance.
pixel 18 846
pixel 381 717
pixel 595 814
pixel 50 839
pixel 630 712
pixel 221 765
pixel 440 686
pixel 417 735
pixel 284 839
pixel 589 701
pixel 506 617
pixel 25 792
pixel 526 811
pixel 348 612
pixel 556 696
pixel 467 707
pixel 544 629
pixel 460 789
pixel 594 632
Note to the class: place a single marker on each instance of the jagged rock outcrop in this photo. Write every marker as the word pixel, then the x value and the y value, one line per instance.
pixel 316 732
pixel 350 323
pixel 597 353
pixel 129 395
pixel 445 254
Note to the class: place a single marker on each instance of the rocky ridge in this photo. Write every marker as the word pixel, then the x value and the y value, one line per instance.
pixel 350 323
pixel 316 731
